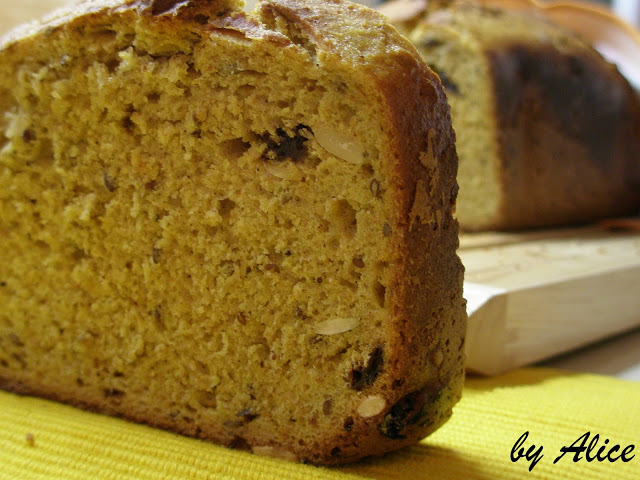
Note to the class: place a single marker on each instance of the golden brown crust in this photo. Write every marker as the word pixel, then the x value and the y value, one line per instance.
pixel 563 121
pixel 568 136
pixel 422 368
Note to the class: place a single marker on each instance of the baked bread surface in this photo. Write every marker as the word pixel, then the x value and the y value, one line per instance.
pixel 236 227
pixel 547 130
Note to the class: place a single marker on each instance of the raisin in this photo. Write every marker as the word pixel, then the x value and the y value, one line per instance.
pixel 287 147
pixel 364 376
pixel 409 410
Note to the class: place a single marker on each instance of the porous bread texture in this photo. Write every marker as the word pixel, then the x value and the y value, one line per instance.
pixel 547 130
pixel 237 227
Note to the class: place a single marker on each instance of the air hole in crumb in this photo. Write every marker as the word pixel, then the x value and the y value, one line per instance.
pixel 343 216
pixel 42 246
pixel 45 155
pixel 245 90
pixel 367 170
pixel 153 97
pixel 112 65
pixel 239 443
pixel 327 406
pixel 313 162
pixel 157 317
pixel 334 244
pixel 28 136
pixel 207 400
pixel 104 36
pixel 397 383
pixel 15 339
pixel 348 424
pixel 379 292
pixel 201 19
pixel 20 360
pixel 175 202
pixel 225 206
pixel 192 72
pixel 235 148
pixel 128 124
pixel 362 376
pixel 78 254
pixel 113 392
pixel 109 182
pixel 203 368
pixel 351 286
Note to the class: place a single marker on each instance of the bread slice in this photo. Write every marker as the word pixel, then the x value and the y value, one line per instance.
pixel 547 130
pixel 237 227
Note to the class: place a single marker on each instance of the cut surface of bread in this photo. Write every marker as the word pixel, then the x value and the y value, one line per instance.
pixel 547 130
pixel 233 226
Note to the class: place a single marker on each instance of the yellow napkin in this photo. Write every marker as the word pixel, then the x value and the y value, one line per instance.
pixel 45 440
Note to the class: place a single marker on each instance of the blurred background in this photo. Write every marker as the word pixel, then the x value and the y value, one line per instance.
pixel 14 13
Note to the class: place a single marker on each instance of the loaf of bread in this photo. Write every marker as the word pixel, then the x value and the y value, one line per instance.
pixel 548 132
pixel 234 226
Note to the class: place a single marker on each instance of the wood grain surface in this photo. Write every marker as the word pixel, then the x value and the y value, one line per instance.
pixel 535 295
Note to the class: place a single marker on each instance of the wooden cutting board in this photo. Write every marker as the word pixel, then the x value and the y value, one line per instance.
pixel 534 295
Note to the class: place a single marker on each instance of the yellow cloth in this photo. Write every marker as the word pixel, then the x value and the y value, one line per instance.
pixel 45 440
